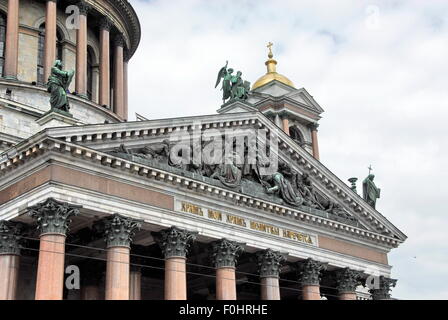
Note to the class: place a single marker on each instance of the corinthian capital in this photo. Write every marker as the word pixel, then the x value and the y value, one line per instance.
pixel 119 41
pixel 105 24
pixel 83 7
pixel 225 253
pixel 175 242
pixel 313 126
pixel 385 285
pixel 53 216
pixel 10 236
pixel 310 271
pixel 347 280
pixel 119 230
pixel 269 262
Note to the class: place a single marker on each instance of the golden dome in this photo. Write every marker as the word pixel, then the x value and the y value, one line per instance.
pixel 272 73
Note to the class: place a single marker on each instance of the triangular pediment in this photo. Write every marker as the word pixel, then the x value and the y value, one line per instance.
pixel 236 107
pixel 352 210
pixel 275 88
pixel 276 92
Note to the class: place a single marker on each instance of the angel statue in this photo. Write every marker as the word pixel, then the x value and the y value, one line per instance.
pixel 233 86
pixel 226 75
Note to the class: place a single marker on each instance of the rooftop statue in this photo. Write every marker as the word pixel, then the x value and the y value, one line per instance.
pixel 57 85
pixel 233 86
pixel 370 190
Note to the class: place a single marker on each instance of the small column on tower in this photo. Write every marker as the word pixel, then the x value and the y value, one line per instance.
pixel 314 141
pixel 104 96
pixel 12 41
pixel 81 50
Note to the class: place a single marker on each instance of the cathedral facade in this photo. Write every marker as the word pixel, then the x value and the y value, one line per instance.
pixel 230 206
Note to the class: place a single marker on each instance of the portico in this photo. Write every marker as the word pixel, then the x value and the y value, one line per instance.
pixel 207 243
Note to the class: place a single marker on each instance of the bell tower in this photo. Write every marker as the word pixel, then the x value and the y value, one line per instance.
pixel 293 110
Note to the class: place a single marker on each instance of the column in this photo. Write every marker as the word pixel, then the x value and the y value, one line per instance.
pixel 269 263
pixel 105 26
pixel 347 280
pixel 81 51
pixel 12 41
pixel 314 141
pixel 382 291
pixel 278 121
pixel 119 77
pixel 50 37
pixel 224 256
pixel 92 273
pixel 309 277
pixel 285 123
pixel 175 244
pixel 53 219
pixel 135 283
pixel 119 231
pixel 10 236
pixel 125 90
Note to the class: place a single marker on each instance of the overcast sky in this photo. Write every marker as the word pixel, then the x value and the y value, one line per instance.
pixel 378 68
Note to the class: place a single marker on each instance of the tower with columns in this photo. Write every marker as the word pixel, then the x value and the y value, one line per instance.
pixel 106 197
pixel 97 39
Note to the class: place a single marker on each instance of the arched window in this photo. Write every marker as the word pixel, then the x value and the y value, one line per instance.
pixel 90 63
pixel 41 52
pixel 2 41
pixel 59 45
pixel 296 135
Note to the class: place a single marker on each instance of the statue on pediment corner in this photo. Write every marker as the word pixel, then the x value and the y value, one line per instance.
pixel 233 86
pixel 370 191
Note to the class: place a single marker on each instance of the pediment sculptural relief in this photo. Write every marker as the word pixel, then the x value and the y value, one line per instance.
pixel 234 171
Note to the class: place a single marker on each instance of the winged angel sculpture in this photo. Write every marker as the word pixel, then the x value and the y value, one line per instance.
pixel 233 86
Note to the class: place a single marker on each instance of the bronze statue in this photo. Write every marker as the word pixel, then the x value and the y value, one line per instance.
pixel 283 187
pixel 58 83
pixel 370 191
pixel 233 86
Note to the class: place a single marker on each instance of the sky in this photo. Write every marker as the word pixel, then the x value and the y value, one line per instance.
pixel 379 70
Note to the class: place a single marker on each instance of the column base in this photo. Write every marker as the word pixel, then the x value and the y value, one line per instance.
pixel 81 95
pixel 10 78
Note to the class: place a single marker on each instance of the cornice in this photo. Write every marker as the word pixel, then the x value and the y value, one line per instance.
pixel 42 144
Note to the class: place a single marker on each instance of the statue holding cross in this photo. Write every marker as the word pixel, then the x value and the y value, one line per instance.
pixel 369 190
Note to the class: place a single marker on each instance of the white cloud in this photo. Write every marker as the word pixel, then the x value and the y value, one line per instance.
pixel 384 90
